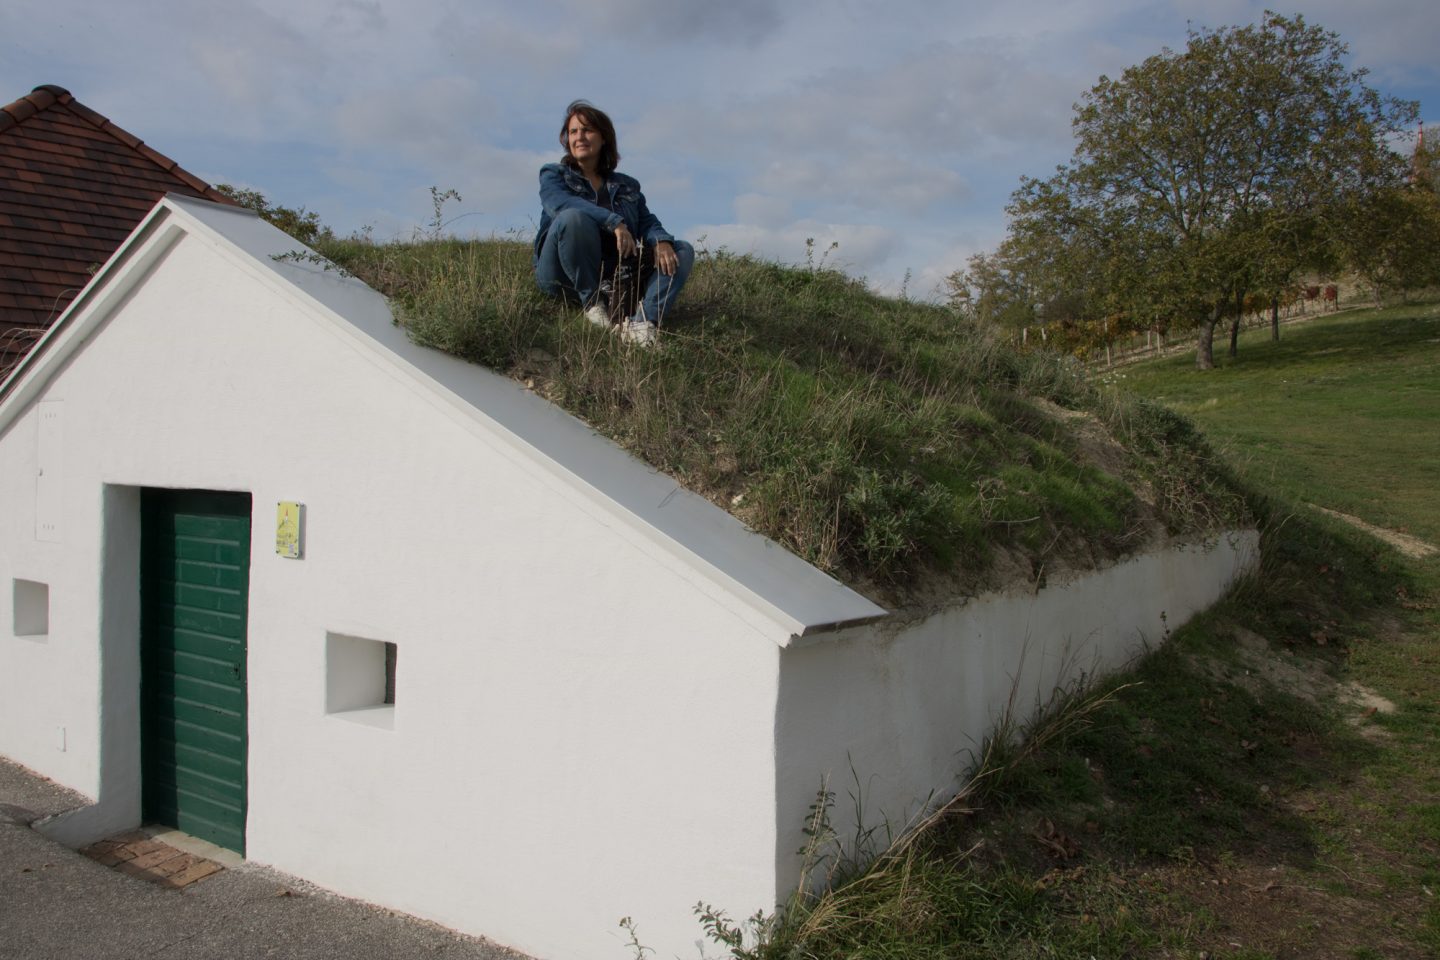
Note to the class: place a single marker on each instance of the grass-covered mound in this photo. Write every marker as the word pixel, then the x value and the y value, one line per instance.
pixel 884 441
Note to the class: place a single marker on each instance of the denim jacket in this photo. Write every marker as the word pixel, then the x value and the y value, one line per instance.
pixel 563 187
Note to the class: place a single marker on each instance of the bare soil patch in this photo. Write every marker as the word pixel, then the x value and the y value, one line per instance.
pixel 1266 665
pixel 1406 544
pixel 1282 911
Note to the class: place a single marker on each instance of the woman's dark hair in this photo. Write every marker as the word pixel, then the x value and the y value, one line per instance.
pixel 595 118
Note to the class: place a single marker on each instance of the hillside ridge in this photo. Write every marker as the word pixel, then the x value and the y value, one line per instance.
pixel 887 442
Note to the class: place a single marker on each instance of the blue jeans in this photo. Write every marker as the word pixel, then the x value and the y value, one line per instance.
pixel 570 261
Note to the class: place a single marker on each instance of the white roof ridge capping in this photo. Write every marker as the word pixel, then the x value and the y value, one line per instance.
pixel 717 552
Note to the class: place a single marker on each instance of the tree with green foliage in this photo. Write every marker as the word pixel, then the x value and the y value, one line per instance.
pixel 1198 175
pixel 993 288
pixel 1046 273
pixel 1425 162
pixel 1391 238
pixel 304 225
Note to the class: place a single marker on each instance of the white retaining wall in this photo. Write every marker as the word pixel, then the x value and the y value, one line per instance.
pixel 881 715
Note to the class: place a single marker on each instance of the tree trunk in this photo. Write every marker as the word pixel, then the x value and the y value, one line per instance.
pixel 1235 324
pixel 1205 352
pixel 1275 317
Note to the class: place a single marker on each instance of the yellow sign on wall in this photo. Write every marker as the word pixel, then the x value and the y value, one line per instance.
pixel 289 517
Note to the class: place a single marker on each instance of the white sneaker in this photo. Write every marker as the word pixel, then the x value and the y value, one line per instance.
pixel 598 315
pixel 638 332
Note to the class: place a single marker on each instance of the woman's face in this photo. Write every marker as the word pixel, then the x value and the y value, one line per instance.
pixel 584 141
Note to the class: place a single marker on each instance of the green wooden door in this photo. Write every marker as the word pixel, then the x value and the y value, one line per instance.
pixel 195 574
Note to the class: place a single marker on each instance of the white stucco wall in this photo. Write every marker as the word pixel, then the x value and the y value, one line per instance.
pixel 590 722
pixel 35 670
pixel 579 733
pixel 895 711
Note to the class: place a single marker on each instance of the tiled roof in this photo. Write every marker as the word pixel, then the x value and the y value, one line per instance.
pixel 72 187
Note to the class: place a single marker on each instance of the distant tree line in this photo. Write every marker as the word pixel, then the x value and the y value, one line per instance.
pixel 1207 181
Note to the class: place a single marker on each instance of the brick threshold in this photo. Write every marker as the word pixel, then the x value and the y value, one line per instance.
pixel 141 855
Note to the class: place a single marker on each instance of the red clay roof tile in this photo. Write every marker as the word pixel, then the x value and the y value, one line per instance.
pixel 21 110
pixel 72 187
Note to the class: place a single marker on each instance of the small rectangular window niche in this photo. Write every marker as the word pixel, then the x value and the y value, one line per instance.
pixel 32 609
pixel 360 679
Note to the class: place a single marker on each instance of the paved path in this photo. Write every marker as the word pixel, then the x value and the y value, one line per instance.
pixel 56 904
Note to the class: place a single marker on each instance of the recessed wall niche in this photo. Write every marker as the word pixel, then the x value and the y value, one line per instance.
pixel 360 679
pixel 31 608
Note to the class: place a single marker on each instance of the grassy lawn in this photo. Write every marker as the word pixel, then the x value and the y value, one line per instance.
pixel 1267 784
pixel 1344 411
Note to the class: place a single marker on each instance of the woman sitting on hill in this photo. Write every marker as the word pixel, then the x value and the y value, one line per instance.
pixel 597 235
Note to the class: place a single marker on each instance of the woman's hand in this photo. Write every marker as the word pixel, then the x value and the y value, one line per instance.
pixel 665 258
pixel 625 241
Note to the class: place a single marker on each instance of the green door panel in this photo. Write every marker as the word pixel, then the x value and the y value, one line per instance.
pixel 195 573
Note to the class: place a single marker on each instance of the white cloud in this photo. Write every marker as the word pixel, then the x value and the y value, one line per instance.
pixel 897 130
pixel 504 48
pixel 947 99
pixel 356 17
pixel 762 210
pixel 875 181
pixel 746 21
pixel 420 118
pixel 857 248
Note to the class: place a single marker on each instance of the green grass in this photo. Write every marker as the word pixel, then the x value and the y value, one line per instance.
pixel 1222 801
pixel 882 440
pixel 1344 413
pixel 1326 414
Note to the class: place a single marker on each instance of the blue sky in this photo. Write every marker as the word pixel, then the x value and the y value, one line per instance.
pixel 896 130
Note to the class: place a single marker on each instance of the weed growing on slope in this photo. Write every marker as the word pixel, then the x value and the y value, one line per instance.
pixel 882 440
